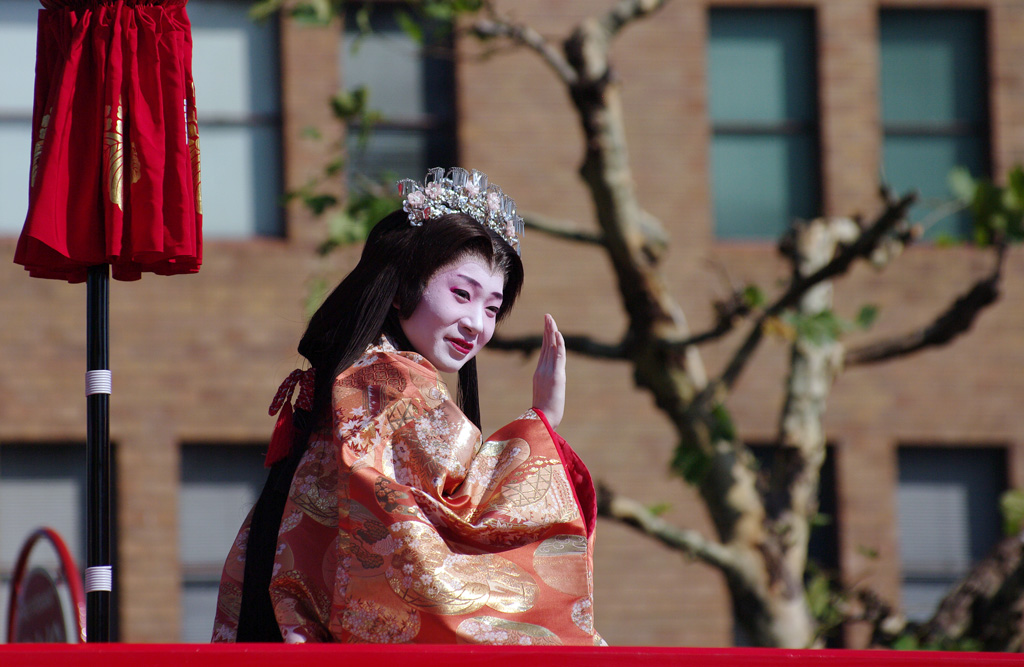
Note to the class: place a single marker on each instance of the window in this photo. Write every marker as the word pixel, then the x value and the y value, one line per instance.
pixel 948 518
pixel 934 89
pixel 413 91
pixel 763 106
pixel 40 485
pixel 219 485
pixel 17 80
pixel 235 67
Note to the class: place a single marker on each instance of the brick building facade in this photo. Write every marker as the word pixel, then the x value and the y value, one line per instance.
pixel 196 359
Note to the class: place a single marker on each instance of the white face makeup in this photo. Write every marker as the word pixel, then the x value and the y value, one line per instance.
pixel 455 317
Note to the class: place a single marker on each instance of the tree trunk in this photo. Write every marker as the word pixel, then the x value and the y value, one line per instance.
pixel 766 588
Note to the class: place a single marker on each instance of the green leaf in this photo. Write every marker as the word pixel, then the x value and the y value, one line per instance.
pixel 820 520
pixel 467 6
pixel 313 12
pixel 819 595
pixel 867 316
pixel 999 223
pixel 690 463
pixel 335 166
pixel 317 293
pixel 410 27
pixel 438 11
pixel 962 184
pixel 753 296
pixel 722 427
pixel 982 236
pixel 1015 187
pixel 819 328
pixel 363 19
pixel 906 643
pixel 349 104
pixel 364 208
pixel 969 644
pixel 657 509
pixel 264 9
pixel 868 552
pixel 1015 231
pixel 320 203
pixel 1011 505
pixel 997 212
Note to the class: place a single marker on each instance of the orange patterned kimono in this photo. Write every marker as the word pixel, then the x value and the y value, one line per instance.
pixel 402 525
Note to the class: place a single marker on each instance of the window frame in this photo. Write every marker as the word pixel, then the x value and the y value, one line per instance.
pixel 781 129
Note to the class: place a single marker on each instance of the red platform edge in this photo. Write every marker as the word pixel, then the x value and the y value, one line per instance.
pixel 276 655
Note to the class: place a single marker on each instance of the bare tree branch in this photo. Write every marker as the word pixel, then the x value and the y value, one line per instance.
pixel 950 324
pixel 496 26
pixel 862 248
pixel 559 230
pixel 627 11
pixel 894 213
pixel 580 344
pixel 887 623
pixel 692 543
pixel 987 604
pixel 721 328
pixel 727 313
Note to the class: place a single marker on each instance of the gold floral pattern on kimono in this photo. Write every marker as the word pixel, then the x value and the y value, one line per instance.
pixel 404 526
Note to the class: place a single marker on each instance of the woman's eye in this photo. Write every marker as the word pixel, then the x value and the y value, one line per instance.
pixel 493 310
pixel 461 293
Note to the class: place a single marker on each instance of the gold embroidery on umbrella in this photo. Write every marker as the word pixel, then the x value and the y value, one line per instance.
pixel 38 150
pixel 192 125
pixel 136 167
pixel 113 154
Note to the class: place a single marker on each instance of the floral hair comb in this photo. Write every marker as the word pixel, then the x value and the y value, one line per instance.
pixel 462 191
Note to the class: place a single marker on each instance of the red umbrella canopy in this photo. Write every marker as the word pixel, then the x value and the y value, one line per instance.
pixel 115 173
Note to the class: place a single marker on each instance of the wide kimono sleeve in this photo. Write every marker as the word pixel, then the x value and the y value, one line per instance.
pixel 403 525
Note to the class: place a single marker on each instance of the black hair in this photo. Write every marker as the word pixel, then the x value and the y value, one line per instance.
pixel 397 262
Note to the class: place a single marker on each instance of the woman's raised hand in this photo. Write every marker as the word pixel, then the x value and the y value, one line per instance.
pixel 549 378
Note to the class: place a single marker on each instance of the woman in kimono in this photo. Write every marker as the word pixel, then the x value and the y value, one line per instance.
pixel 386 517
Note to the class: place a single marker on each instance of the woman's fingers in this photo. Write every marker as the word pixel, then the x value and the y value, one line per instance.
pixel 549 378
pixel 550 331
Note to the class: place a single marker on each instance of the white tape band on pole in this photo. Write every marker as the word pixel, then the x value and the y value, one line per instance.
pixel 99 578
pixel 97 382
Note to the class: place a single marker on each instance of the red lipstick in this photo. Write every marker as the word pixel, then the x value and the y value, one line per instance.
pixel 460 345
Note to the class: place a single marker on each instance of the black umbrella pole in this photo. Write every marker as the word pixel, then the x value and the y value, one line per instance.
pixel 99 572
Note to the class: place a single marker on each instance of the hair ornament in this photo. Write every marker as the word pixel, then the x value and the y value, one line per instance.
pixel 461 191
